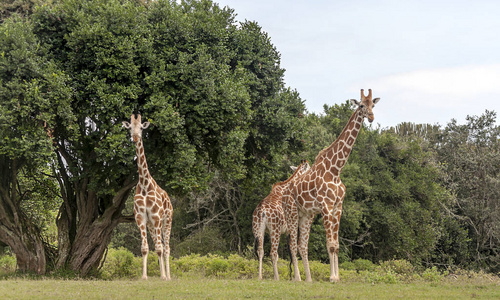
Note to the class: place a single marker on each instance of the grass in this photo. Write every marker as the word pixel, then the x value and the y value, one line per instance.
pixel 183 288
pixel 234 277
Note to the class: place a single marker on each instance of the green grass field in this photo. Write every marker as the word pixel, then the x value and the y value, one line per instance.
pixel 154 288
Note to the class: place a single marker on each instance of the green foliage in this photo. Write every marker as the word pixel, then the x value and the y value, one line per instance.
pixel 7 264
pixel 434 275
pixel 204 241
pixel 470 156
pixel 224 129
pixel 120 263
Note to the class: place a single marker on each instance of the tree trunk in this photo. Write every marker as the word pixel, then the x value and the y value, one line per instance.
pixel 81 249
pixel 16 230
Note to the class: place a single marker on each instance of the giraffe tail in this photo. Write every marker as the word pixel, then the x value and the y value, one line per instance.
pixel 256 247
pixel 289 255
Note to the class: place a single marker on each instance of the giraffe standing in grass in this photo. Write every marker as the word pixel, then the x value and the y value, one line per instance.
pixel 320 191
pixel 152 208
pixel 268 216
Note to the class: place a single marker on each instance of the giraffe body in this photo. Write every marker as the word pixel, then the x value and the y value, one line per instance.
pixel 152 208
pixel 268 216
pixel 320 191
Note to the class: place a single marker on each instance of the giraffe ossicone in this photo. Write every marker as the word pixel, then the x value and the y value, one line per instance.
pixel 152 208
pixel 320 191
pixel 268 216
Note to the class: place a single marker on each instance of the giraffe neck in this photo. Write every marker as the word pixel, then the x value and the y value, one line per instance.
pixel 142 165
pixel 278 188
pixel 338 152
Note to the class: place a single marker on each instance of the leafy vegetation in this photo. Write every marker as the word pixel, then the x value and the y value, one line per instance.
pixel 423 199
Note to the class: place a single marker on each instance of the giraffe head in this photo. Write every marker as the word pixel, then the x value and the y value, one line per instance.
pixel 366 105
pixel 135 127
pixel 302 168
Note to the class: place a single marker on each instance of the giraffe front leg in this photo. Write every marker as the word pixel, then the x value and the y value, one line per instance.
pixel 331 224
pixel 144 245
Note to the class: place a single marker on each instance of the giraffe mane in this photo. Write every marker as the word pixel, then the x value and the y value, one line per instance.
pixel 323 152
pixel 292 176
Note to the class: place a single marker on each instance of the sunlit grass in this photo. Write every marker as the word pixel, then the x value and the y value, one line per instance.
pixel 185 288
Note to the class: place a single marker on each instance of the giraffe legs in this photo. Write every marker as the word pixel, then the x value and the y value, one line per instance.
pixel 331 223
pixel 259 236
pixel 156 234
pixel 304 228
pixel 292 223
pixel 166 239
pixel 141 223
pixel 275 240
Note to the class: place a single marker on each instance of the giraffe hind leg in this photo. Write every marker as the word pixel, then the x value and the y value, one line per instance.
pixel 166 249
pixel 275 240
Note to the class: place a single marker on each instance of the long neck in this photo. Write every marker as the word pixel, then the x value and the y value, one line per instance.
pixel 142 165
pixel 335 156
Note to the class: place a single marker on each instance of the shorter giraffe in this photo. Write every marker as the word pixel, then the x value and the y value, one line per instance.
pixel 268 215
pixel 152 207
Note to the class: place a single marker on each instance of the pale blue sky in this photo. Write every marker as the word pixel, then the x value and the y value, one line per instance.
pixel 428 60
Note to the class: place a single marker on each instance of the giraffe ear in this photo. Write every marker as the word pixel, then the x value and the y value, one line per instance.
pixel 126 124
pixel 355 102
pixel 145 125
pixel 375 100
pixel 293 168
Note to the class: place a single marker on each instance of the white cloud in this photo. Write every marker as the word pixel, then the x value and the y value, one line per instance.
pixel 462 82
pixel 437 95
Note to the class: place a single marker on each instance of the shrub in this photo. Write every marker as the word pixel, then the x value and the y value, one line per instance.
pixel 364 265
pixel 217 266
pixel 7 264
pixel 358 265
pixel 319 271
pixel 433 274
pixel 205 241
pixel 380 277
pixel 121 263
pixel 403 269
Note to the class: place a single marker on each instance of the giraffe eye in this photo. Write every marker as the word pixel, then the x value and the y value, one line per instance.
pixel 361 106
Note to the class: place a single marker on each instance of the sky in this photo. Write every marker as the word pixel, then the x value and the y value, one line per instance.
pixel 430 61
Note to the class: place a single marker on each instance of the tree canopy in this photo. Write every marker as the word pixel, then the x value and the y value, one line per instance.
pixel 224 129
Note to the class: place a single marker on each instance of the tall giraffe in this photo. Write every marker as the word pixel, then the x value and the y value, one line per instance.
pixel 268 216
pixel 320 190
pixel 152 207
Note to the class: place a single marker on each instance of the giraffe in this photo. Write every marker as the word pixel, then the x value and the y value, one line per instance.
pixel 320 190
pixel 268 215
pixel 152 207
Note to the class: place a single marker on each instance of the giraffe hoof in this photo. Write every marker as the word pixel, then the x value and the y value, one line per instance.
pixel 145 277
pixel 334 280
pixel 163 277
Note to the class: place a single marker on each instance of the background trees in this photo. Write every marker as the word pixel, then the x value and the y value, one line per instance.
pixel 225 128
pixel 206 84
pixel 470 154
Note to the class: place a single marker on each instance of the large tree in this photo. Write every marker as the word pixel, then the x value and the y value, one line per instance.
pixel 32 90
pixel 212 89
pixel 470 154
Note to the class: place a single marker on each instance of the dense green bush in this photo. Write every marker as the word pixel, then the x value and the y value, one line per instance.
pixel 7 264
pixel 121 263
pixel 204 241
